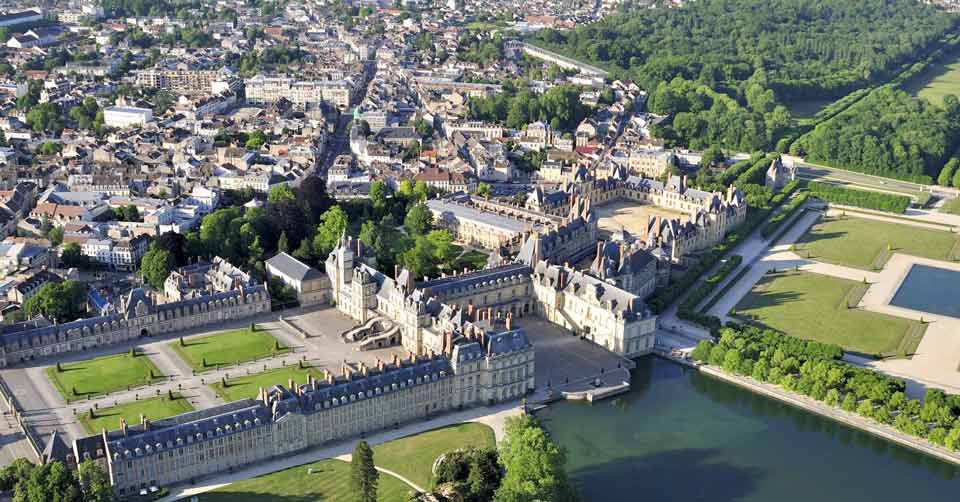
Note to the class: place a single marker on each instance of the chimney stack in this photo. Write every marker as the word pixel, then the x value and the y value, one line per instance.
pixel 380 365
pixel 363 368
pixel 413 358
pixel 291 386
pixel 509 319
pixel 123 427
pixel 396 360
pixel 470 309
pixel 448 344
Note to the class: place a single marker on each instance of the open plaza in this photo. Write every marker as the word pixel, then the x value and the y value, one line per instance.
pixel 632 217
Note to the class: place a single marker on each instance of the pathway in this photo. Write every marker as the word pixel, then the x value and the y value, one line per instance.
pixel 349 458
pixel 493 416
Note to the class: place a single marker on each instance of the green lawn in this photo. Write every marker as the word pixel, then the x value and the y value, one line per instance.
pixel 937 80
pixel 154 408
pixel 248 386
pixel 951 206
pixel 102 375
pixel 473 259
pixel 330 482
pixel 412 457
pixel 814 307
pixel 227 348
pixel 863 243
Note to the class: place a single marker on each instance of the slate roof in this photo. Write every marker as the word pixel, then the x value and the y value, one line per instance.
pixel 292 267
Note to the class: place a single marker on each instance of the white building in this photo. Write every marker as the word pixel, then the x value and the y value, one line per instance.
pixel 126 116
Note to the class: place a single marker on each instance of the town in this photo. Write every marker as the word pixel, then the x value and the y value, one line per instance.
pixel 341 250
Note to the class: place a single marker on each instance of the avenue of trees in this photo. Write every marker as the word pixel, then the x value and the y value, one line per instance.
pixel 816 370
pixel 888 133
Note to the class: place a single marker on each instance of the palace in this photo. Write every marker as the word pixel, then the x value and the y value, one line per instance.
pixel 283 420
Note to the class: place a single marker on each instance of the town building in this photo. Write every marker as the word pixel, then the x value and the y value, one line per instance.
pixel 311 285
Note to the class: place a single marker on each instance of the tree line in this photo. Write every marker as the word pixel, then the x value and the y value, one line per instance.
pixel 888 133
pixel 860 198
pixel 816 370
pixel 54 481
pixel 559 106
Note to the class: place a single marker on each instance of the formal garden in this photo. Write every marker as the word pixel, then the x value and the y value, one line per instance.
pixel 823 309
pixel 247 386
pixel 154 408
pixel 230 347
pixel 867 244
pixel 103 375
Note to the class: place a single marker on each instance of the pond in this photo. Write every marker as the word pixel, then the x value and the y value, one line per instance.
pixel 682 436
pixel 930 289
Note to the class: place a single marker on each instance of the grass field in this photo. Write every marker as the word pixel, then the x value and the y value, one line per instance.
pixel 330 482
pixel 102 375
pixel 412 457
pixel 248 386
pixel 814 307
pixel 937 80
pixel 951 206
pixel 227 348
pixel 863 243
pixel 154 408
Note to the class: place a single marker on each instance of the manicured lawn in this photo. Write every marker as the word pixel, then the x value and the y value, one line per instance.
pixel 937 80
pixel 951 206
pixel 473 259
pixel 330 482
pixel 814 307
pixel 102 375
pixel 248 386
pixel 227 348
pixel 412 457
pixel 863 243
pixel 154 408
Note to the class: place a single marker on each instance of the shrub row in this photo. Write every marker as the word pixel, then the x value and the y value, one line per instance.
pixel 815 370
pixel 788 211
pixel 688 309
pixel 859 198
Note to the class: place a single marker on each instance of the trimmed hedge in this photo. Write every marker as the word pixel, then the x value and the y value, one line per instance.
pixel 688 310
pixel 859 198
pixel 788 211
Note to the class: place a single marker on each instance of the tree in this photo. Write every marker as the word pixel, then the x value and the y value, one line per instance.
pixel 95 483
pixel 49 482
pixel 156 265
pixel 363 475
pixel 62 301
pixel 55 235
pixel 71 256
pixel 484 190
pixel 332 225
pixel 418 220
pixel 13 473
pixel 946 174
pixel 534 465
pixel 255 140
pixel 312 194
pixel 283 245
pixel 174 243
pixel 378 194
pixel 279 193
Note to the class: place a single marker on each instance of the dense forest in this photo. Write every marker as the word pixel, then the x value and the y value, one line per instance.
pixel 809 48
pixel 888 133
pixel 726 70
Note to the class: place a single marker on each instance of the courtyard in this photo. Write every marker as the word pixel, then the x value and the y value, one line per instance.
pixel 247 387
pixel 155 408
pixel 231 347
pixel 868 243
pixel 562 357
pixel 631 216
pixel 823 308
pixel 102 375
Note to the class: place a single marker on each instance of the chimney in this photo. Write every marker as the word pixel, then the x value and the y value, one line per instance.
pixel 291 386
pixel 599 249
pixel 509 320
pixel 432 354
pixel 470 309
pixel 311 382
pixel 345 371
pixel 330 379
pixel 448 344
pixel 490 314
pixel 123 427
pixel 363 369
pixel 413 358
pixel 146 424
pixel 380 365
pixel 143 418
pixel 623 253
pixel 396 360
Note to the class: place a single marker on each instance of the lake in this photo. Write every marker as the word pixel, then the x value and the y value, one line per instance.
pixel 930 289
pixel 682 436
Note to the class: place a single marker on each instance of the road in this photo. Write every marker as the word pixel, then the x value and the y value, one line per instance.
pixel 818 172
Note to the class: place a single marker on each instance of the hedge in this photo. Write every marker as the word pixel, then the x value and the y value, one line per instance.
pixel 788 211
pixel 688 310
pixel 858 198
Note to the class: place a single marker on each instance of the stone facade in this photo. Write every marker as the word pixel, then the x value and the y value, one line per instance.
pixel 137 316
pixel 482 369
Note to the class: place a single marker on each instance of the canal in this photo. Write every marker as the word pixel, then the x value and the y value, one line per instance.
pixel 682 436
